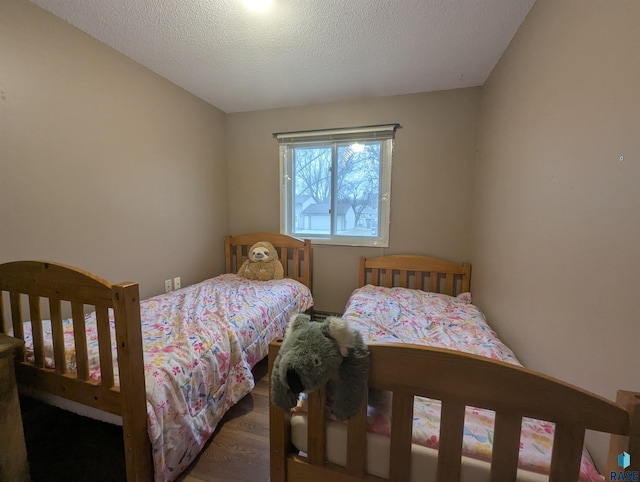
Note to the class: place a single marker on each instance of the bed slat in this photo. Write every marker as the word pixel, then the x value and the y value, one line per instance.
pixel 239 259
pixel 388 278
pixel 57 336
pixel 449 284
pixel 104 346
pixel 3 325
pixel 80 341
pixel 401 431
pixel 283 260
pixel 568 441
pixel 296 263
pixel 357 443
pixel 506 446
pixel 36 330
pixel 451 432
pixel 16 314
pixel 316 445
pixel 417 276
pixel 404 278
pixel 375 277
pixel 433 282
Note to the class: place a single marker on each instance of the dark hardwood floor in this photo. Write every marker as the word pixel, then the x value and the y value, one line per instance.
pixel 65 447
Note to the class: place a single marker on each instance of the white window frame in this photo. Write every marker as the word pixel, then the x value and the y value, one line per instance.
pixel 287 140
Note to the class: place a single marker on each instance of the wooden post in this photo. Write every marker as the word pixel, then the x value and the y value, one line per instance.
pixel 278 427
pixel 630 401
pixel 138 457
pixel 13 451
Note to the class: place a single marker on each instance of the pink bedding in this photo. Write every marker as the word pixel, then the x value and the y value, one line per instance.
pixel 412 316
pixel 200 344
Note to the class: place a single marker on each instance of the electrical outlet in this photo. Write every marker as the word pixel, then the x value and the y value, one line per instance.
pixel 167 285
pixel 176 283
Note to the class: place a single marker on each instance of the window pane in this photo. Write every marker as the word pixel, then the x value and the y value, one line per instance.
pixel 312 190
pixel 358 189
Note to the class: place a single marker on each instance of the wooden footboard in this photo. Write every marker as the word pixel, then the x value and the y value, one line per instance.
pixel 50 290
pixel 458 380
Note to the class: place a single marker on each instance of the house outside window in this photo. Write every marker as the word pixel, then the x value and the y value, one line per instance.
pixel 336 184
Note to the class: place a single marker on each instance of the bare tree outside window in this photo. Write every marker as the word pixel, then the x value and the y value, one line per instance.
pixel 358 184
pixel 350 203
pixel 313 172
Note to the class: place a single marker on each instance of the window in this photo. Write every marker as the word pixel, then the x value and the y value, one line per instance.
pixel 336 184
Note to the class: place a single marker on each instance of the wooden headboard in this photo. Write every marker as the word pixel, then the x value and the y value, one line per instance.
pixel 295 254
pixel 414 271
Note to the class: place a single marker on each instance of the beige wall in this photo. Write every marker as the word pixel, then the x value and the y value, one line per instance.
pixel 431 181
pixel 556 223
pixel 103 164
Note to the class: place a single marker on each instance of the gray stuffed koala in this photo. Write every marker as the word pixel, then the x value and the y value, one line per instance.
pixel 311 353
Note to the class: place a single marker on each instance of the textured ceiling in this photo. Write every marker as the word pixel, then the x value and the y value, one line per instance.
pixel 302 52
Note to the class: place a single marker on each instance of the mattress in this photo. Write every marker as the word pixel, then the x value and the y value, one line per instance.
pixel 400 315
pixel 200 344
pixel 424 460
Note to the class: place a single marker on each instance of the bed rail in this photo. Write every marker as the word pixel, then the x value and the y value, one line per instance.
pixel 419 272
pixel 458 380
pixel 295 254
pixel 50 289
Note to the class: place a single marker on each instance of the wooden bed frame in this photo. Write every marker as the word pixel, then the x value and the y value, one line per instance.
pixel 58 283
pixel 458 380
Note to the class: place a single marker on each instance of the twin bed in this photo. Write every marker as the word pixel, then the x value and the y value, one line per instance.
pixel 170 366
pixel 463 407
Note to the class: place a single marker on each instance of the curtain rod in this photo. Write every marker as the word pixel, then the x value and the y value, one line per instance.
pixel 341 129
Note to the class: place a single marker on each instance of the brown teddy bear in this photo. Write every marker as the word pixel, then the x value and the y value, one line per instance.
pixel 262 263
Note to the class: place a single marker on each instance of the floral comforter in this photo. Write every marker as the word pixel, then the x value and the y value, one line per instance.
pixel 388 315
pixel 200 344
